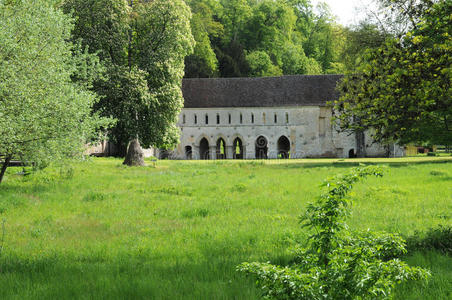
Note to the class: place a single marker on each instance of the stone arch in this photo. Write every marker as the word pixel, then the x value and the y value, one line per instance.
pixel 238 149
pixel 283 145
pixel 200 137
pixel 204 151
pixel 261 147
pixel 188 152
pixel 351 153
pixel 221 148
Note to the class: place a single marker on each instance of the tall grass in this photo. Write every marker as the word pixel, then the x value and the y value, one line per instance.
pixel 177 231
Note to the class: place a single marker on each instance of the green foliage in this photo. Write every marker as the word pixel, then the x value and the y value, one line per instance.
pixel 336 263
pixel 359 39
pixel 296 37
pixel 44 115
pixel 439 239
pixel 261 65
pixel 402 90
pixel 142 45
pixel 127 98
pixel 203 62
pixel 102 27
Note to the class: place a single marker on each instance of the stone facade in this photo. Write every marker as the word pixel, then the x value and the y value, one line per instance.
pixel 288 132
pixel 279 117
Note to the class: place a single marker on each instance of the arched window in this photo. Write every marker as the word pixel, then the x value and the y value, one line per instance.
pixel 252 118
pixel 237 148
pixel 196 119
pixel 183 119
pixel 241 119
pixel 263 117
pixel 207 119
pixel 221 149
pixel 283 147
pixel 229 118
pixel 287 118
pixel 204 152
pixel 276 118
pixel 188 152
pixel 218 118
pixel 261 147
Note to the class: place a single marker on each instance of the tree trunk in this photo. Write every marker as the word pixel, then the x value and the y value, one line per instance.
pixel 4 166
pixel 134 155
pixel 360 144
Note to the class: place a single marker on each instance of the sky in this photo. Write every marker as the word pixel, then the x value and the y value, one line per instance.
pixel 345 10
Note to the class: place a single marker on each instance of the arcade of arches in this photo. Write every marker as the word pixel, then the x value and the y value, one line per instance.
pixel 221 150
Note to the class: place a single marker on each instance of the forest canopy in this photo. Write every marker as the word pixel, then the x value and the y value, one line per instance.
pixel 251 38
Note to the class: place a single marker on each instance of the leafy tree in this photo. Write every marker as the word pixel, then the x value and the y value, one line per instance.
pixel 203 62
pixel 359 39
pixel 269 28
pixel 294 61
pixel 44 116
pixel 336 263
pixel 261 65
pixel 148 44
pixel 102 27
pixel 402 92
pixel 317 32
pixel 232 60
pixel 234 15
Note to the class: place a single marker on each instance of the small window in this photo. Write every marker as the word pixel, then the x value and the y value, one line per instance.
pixel 276 118
pixel 252 118
pixel 241 119
pixel 183 119
pixel 263 117
pixel 196 119
pixel 207 119
pixel 287 118
pixel 218 119
pixel 229 118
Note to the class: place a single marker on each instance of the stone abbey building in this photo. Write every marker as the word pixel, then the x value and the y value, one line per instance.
pixel 270 117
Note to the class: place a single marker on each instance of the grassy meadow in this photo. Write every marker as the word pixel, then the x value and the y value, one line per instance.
pixel 100 230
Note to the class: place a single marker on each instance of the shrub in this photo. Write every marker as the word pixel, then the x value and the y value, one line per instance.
pixel 336 263
pixel 431 154
pixel 434 239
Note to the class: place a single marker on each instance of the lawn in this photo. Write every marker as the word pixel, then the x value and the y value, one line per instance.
pixel 100 230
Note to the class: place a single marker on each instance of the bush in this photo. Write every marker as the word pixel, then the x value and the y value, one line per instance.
pixel 434 239
pixel 336 263
pixel 432 154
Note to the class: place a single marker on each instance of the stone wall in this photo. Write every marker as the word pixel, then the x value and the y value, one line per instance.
pixel 308 129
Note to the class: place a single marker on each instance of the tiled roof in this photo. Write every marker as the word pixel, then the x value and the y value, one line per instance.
pixel 293 90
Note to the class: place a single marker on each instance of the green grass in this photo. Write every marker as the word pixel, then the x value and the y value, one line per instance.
pixel 177 231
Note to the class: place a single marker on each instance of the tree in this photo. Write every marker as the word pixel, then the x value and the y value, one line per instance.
pixel 261 65
pixel 44 115
pixel 359 39
pixel 203 62
pixel 402 91
pixel 142 88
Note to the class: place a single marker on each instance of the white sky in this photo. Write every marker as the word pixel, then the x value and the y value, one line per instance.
pixel 345 10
